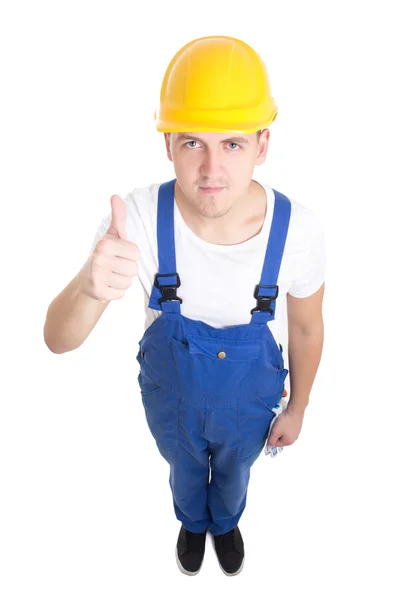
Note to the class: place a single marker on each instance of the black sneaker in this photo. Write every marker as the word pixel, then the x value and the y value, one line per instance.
pixel 190 549
pixel 230 551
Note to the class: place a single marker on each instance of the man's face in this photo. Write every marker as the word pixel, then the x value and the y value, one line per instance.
pixel 206 160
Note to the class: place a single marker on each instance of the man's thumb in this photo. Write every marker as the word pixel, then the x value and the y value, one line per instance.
pixel 273 436
pixel 118 218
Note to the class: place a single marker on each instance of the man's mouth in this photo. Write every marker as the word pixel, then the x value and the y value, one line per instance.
pixel 211 190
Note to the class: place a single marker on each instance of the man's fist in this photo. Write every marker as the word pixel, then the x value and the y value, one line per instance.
pixel 112 265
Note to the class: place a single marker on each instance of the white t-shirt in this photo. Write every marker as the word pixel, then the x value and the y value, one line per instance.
pixel 208 270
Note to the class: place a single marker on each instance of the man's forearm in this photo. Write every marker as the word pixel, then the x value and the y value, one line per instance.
pixel 70 318
pixel 304 350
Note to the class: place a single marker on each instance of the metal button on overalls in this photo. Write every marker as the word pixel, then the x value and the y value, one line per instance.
pixel 208 392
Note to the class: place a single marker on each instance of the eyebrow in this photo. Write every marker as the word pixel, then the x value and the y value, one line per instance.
pixel 185 136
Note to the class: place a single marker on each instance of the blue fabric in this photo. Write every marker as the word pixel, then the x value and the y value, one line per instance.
pixel 208 392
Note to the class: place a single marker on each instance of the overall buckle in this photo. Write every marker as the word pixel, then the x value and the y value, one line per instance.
pixel 264 302
pixel 168 291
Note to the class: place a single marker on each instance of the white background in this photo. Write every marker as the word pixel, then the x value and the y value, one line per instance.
pixel 85 505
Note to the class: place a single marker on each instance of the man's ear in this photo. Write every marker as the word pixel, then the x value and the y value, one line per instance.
pixel 262 146
pixel 167 137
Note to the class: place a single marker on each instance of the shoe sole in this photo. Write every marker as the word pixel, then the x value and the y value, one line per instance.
pixel 221 567
pixel 182 569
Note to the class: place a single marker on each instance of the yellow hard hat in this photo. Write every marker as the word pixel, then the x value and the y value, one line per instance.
pixel 215 83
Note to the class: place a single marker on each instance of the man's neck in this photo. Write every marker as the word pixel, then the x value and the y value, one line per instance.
pixel 244 221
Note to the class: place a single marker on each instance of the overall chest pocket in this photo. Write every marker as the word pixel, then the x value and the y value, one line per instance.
pixel 213 365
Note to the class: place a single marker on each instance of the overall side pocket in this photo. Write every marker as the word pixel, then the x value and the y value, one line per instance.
pixel 254 418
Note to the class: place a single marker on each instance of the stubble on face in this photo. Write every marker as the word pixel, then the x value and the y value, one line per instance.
pixel 211 206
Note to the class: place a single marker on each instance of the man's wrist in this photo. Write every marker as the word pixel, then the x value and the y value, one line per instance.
pixel 297 404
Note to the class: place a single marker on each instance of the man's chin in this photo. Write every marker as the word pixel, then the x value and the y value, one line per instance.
pixel 214 212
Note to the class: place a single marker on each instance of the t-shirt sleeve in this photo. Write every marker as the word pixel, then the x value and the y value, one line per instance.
pixel 312 263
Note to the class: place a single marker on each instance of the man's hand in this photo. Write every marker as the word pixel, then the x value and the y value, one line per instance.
pixel 109 271
pixel 286 428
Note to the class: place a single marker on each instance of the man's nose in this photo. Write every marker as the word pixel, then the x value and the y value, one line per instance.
pixel 211 165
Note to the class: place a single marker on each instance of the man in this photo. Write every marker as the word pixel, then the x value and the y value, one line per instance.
pixel 220 257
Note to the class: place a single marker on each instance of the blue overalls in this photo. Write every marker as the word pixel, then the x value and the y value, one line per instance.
pixel 208 392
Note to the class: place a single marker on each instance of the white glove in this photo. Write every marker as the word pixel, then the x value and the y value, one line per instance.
pixel 277 409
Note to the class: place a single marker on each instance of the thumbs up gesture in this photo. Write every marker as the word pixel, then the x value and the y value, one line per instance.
pixel 117 229
pixel 109 270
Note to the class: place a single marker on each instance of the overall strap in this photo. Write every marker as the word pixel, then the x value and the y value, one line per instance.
pixel 267 291
pixel 166 281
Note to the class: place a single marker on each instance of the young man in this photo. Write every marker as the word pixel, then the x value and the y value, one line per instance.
pixel 220 257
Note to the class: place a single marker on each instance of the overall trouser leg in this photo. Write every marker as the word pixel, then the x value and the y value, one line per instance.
pixel 227 490
pixel 190 472
pixel 231 463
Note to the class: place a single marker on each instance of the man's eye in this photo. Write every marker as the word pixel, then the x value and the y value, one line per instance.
pixel 195 142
